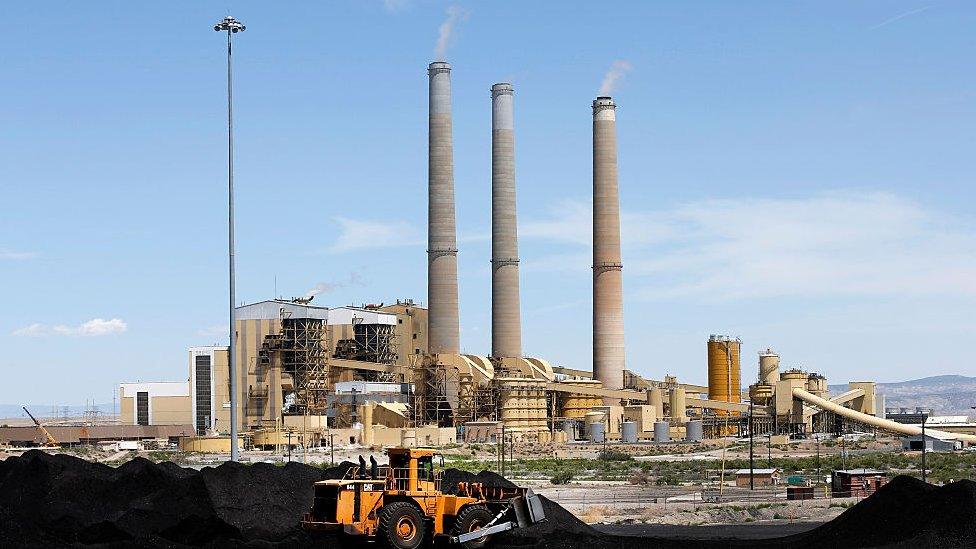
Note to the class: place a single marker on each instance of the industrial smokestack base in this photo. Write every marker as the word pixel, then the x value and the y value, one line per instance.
pixel 442 285
pixel 608 308
pixel 506 330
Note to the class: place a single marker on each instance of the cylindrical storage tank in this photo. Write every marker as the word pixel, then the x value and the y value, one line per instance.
pixel 678 405
pixel 662 431
pixel 628 432
pixel 408 438
pixel 656 399
pixel 793 374
pixel 768 367
pixel 569 427
pixel 597 432
pixel 817 384
pixel 724 374
pixel 694 431
pixel 577 405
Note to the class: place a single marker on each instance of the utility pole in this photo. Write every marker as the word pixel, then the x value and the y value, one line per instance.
pixel 925 417
pixel 752 483
pixel 231 26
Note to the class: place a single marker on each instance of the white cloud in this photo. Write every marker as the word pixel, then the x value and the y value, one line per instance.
pixel 839 244
pixel 92 328
pixel 616 73
pixel 358 235
pixel 30 331
pixel 13 255
pixel 321 288
pixel 394 6
pixel 216 330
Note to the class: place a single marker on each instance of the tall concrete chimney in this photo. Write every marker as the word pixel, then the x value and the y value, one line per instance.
pixel 608 306
pixel 506 329
pixel 443 329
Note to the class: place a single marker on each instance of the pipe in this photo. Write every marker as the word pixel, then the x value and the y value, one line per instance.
pixel 873 421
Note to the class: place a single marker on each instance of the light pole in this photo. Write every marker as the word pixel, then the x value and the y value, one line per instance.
pixel 231 26
pixel 752 485
pixel 925 417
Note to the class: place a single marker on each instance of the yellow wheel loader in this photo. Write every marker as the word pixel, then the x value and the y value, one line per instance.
pixel 402 506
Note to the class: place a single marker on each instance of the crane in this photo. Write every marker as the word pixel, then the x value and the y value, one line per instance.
pixel 51 441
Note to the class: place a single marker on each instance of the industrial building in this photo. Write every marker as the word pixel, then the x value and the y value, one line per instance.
pixel 380 373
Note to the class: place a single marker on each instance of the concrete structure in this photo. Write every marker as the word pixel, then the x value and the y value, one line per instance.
pixel 442 284
pixel 155 403
pixel 761 478
pixel 90 434
pixel 608 307
pixel 506 330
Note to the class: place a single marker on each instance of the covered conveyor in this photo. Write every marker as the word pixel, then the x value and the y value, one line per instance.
pixel 886 424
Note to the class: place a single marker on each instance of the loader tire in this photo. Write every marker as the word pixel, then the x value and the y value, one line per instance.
pixel 401 526
pixel 472 518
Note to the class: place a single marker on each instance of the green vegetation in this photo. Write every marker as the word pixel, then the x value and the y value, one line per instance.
pixel 943 467
pixel 562 477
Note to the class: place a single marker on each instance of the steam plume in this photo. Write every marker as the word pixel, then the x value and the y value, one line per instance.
pixel 617 71
pixel 454 15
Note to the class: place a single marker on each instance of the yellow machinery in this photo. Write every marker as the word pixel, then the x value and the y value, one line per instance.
pixel 402 506
pixel 51 441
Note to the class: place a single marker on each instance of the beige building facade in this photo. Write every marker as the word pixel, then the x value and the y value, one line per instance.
pixel 154 403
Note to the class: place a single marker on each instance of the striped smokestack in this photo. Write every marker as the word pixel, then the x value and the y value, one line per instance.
pixel 443 330
pixel 608 307
pixel 506 331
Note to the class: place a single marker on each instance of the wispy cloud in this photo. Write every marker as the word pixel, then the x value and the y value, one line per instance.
pixel 93 328
pixel 14 255
pixel 356 235
pixel 216 330
pixel 900 16
pixel 445 33
pixel 839 244
pixel 615 74
pixel 394 6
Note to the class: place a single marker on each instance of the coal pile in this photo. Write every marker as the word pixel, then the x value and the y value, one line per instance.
pixel 60 501
pixel 906 512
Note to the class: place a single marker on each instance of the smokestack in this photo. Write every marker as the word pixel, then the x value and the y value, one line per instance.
pixel 443 329
pixel 608 307
pixel 506 330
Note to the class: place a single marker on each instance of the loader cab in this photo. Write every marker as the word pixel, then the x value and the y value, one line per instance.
pixel 412 469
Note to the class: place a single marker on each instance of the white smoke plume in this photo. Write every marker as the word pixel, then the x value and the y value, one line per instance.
pixel 617 71
pixel 321 288
pixel 455 14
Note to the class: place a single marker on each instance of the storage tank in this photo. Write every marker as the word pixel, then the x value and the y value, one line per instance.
pixel 724 374
pixel 817 384
pixel 678 405
pixel 768 367
pixel 694 431
pixel 793 373
pixel 628 432
pixel 569 427
pixel 522 404
pixel 662 431
pixel 597 432
pixel 656 397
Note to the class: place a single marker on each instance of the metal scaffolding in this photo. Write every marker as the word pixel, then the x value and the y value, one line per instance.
pixel 300 347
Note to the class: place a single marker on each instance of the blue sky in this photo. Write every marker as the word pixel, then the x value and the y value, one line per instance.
pixel 797 174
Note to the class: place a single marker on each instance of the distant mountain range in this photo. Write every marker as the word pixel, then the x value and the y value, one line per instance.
pixel 950 395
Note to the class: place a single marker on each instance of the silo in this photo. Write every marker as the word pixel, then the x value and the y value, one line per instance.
pixel 569 427
pixel 597 432
pixel 628 432
pixel 768 367
pixel 662 431
pixel 656 399
pixel 678 405
pixel 724 374
pixel 694 431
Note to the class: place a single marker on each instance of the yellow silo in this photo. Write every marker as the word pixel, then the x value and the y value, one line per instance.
pixel 724 374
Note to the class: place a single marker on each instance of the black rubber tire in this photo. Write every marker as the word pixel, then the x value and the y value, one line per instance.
pixel 393 531
pixel 471 518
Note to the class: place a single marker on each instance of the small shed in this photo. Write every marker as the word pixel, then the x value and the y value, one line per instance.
pixel 849 483
pixel 760 477
pixel 932 444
